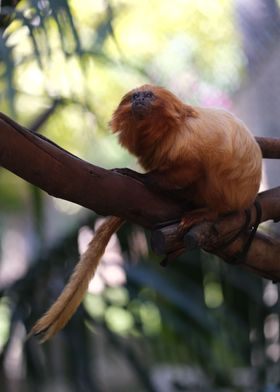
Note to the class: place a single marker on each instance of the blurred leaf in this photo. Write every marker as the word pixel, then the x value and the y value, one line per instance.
pixel 143 274
pixel 6 55
pixel 62 14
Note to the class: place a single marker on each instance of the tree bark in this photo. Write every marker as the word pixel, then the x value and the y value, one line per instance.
pixel 61 174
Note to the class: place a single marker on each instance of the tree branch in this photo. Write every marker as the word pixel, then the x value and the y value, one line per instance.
pixel 270 147
pixel 43 163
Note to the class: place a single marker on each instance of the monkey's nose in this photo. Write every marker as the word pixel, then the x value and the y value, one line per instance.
pixel 139 106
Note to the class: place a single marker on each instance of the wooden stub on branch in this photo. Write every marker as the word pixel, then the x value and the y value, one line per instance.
pixel 165 239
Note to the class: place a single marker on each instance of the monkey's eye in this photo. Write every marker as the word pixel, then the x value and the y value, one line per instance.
pixel 149 94
pixel 135 95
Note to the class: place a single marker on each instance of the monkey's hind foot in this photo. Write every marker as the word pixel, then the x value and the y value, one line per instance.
pixel 195 217
pixel 240 257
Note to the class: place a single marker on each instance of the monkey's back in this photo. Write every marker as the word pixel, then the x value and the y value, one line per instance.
pixel 231 160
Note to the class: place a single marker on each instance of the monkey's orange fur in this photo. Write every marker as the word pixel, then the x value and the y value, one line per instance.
pixel 70 298
pixel 209 151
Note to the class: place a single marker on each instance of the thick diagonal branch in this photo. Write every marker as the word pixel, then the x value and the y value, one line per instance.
pixel 61 174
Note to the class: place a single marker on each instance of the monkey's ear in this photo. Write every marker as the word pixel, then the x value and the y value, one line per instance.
pixel 190 111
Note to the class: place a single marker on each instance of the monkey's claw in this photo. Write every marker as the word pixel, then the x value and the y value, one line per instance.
pixel 194 218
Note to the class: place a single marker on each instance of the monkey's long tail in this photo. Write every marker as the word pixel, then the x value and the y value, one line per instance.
pixel 71 297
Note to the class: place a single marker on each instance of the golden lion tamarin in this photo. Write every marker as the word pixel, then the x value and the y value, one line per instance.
pixel 209 153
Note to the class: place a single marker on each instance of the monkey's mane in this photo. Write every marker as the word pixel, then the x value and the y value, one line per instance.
pixel 150 136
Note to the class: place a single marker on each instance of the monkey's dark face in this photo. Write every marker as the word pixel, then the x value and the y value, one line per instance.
pixel 148 117
pixel 148 109
pixel 141 102
pixel 151 103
